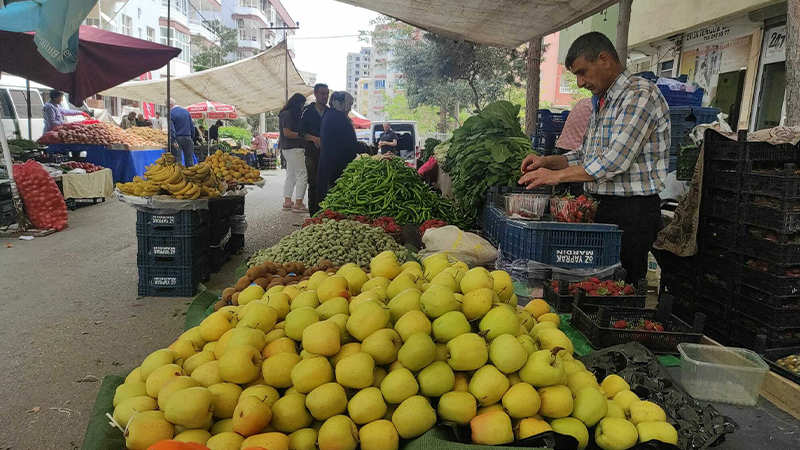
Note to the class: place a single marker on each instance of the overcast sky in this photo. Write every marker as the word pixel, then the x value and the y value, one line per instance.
pixel 324 18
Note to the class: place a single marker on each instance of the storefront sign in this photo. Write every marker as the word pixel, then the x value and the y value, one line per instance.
pixel 776 43
pixel 706 35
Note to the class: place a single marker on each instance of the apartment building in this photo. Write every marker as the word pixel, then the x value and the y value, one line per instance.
pixel 358 65
pixel 385 79
pixel 362 96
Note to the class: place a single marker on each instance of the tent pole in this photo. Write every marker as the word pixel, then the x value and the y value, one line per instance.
pixel 7 152
pixel 169 107
pixel 28 96
pixel 286 63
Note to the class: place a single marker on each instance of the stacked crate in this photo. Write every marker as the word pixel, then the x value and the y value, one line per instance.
pixel 683 119
pixel 7 212
pixel 748 269
pixel 548 128
pixel 225 235
pixel 173 254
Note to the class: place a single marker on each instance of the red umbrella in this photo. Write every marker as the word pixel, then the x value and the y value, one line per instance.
pixel 359 123
pixel 212 110
pixel 105 59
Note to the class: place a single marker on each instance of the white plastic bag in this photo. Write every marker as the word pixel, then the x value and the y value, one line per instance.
pixel 464 246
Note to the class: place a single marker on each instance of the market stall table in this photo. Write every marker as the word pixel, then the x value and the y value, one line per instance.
pixel 96 185
pixel 125 164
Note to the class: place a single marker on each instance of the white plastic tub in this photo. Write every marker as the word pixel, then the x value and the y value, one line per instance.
pixel 721 374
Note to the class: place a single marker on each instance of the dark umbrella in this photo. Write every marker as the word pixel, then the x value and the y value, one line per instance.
pixel 105 59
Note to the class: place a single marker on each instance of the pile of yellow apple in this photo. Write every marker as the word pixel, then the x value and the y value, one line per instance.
pixel 355 359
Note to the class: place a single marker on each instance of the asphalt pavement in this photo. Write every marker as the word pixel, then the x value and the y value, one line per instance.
pixel 69 314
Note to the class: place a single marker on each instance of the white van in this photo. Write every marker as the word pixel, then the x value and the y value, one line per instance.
pixel 14 107
pixel 408 137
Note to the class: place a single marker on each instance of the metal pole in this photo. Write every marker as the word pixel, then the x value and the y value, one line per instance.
pixel 286 63
pixel 169 107
pixel 28 96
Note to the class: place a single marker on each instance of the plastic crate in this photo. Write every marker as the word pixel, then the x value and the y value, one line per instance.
pixel 236 242
pixel 546 141
pixel 766 152
pixel 721 374
pixel 771 251
pixel 719 208
pixel 597 324
pixel 773 185
pixel 562 303
pixel 788 302
pixel 172 281
pixel 683 119
pixel 549 122
pixel 217 257
pixel 7 218
pixel 568 245
pixel 781 286
pixel 775 220
pixel 748 329
pixel 5 191
pixel 681 98
pixel 182 223
pixel 762 312
pixel 6 205
pixel 687 161
pixel 717 147
pixel 161 249
pixel 494 222
pixel 730 181
pixel 771 357
pixel 721 237
pixel 218 229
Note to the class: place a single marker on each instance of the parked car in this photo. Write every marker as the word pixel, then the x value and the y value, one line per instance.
pixel 14 107
pixel 408 139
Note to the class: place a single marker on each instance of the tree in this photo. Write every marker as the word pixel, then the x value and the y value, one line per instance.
pixel 427 116
pixel 577 93
pixel 792 61
pixel 533 67
pixel 213 55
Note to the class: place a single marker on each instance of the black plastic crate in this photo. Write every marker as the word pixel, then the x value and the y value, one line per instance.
pixel 770 250
pixel 771 357
pixel 719 268
pixel 766 152
pixel 722 235
pixel 773 301
pixel 719 208
pixel 778 285
pixel 7 218
pixel 563 302
pixel 172 281
pixel 767 314
pixel 748 329
pixel 6 205
pixel 217 257
pixel 218 228
pixel 236 242
pixel 597 324
pixel 717 147
pixel 182 223
pixel 161 249
pixel 237 206
pixel 774 203
pixel 782 183
pixel 5 190
pixel 779 221
pixel 728 180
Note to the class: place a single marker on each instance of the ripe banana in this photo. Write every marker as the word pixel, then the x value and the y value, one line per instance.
pixel 177 186
pixel 184 190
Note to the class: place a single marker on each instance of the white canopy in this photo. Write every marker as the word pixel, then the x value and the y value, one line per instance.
pixel 502 23
pixel 253 85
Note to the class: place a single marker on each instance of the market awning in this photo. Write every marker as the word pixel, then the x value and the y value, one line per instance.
pixel 253 85
pixel 503 23
pixel 106 59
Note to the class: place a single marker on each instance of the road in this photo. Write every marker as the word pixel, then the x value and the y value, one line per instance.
pixel 70 315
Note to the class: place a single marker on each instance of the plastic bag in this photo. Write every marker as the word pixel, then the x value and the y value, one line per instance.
pixel 238 224
pixel 533 273
pixel 44 203
pixel 464 246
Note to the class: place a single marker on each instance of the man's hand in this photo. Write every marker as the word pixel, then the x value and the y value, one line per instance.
pixel 316 141
pixel 540 177
pixel 532 162
pixel 86 115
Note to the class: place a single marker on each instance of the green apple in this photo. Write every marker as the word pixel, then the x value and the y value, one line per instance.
pixel 335 286
pixel 614 384
pixel 436 379
pixel 367 319
pixel 399 385
pixel 457 407
pixel 277 369
pixel 556 401
pixel 644 411
pixel 383 346
pixel 385 265
pixel 488 385
pixel 376 282
pixel 333 307
pixel 290 414
pixel 356 371
pixel 190 408
pixel 613 433
pixel 364 297
pixel 208 374
pixel 250 416
pixel 271 440
pixel 303 439
pixel 492 428
pixel 297 321
pixel 128 390
pixel 147 428
pixel 315 279
pixel 172 386
pixel 157 359
pixel 322 338
pixel 589 406
pixel 240 365
pixel 657 431
pixel 572 427
pixel 499 320
pixel 404 302
pixel 449 326
pixel 417 352
pixel 274 335
pixel 379 435
pixel 507 353
pixel 380 374
pixel 401 283
pixel 226 396
pixel 531 427
pixel 414 417
pixel 624 399
pixel 128 407
pixel 214 326
pixel 467 352
pixel 346 350
pixel 477 303
pixel 160 376
pixel 267 394
pixel 476 278
pixel 435 267
pixel 445 279
pixel 574 366
pixel 225 440
pixel 326 401
pixel 310 373
pixel 197 360
pixel 438 300
pixel 280 302
pixel 503 285
pixel 614 410
pixel 526 320
pixel 412 322
pixel 356 278
pixel 196 436
pixel 184 348
pixel 305 299
pixel 338 433
pixel 521 401
pixel 341 321
pixel 550 338
pixel 528 344
pixel 580 379
pixel 543 368
pixel 367 405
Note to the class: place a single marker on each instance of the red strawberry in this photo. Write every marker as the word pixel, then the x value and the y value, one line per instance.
pixel 658 327
pixel 620 324
pixel 649 326
pixel 594 280
pixel 628 290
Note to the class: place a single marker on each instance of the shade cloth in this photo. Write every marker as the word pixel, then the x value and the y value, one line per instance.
pixel 124 164
pixel 106 59
pixel 503 23
pixel 254 85
pixel 56 24
pixel 98 184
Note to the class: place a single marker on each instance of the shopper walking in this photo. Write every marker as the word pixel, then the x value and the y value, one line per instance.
pixel 292 149
pixel 157 125
pixel 623 158
pixel 260 146
pixel 310 124
pixel 339 143
pixel 182 130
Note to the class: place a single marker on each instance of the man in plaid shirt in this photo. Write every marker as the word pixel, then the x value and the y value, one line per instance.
pixel 623 158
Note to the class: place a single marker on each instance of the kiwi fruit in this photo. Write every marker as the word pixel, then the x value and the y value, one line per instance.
pixel 242 283
pixel 270 267
pixel 314 269
pixel 220 304
pixel 227 292
pixel 274 283
pixel 256 272
pixel 281 272
pixel 300 268
pixel 278 281
pixel 263 282
pixel 292 283
pixel 305 278
pixel 235 299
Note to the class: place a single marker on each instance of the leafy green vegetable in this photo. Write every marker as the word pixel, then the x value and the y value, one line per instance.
pixel 486 151
pixel 237 133
pixel 427 151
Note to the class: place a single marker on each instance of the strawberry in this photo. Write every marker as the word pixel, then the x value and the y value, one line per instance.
pixel 658 327
pixel 620 324
pixel 594 280
pixel 649 326
pixel 554 285
pixel 628 290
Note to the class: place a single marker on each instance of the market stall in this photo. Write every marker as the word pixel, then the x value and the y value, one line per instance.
pixel 94 186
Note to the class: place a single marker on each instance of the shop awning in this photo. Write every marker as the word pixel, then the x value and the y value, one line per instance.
pixel 503 23
pixel 253 85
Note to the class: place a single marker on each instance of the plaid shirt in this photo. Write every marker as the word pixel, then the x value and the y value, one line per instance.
pixel 626 149
pixel 575 127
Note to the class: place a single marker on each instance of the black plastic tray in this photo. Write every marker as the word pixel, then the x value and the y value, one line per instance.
pixel 728 180
pixel 770 300
pixel 773 219
pixel 769 250
pixel 748 329
pixel 563 302
pixel 779 185
pixel 781 286
pixel 772 356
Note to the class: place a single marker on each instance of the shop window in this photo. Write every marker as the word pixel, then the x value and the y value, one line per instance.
pixel 665 69
pixel 127 25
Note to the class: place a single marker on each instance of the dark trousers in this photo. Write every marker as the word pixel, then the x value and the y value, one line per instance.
pixel 185 147
pixel 640 219
pixel 262 161
pixel 312 165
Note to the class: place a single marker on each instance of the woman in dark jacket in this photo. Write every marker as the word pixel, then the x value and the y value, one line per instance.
pixel 339 144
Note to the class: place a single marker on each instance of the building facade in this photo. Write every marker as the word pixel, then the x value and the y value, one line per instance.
pixel 362 96
pixel 358 65
pixel 734 49
pixel 385 79
pixel 310 78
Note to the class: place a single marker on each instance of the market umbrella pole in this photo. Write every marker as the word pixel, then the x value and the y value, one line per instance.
pixel 28 96
pixel 169 107
pixel 6 151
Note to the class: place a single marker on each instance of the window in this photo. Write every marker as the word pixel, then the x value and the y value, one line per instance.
pixel 127 25
pixel 139 12
pixel 151 34
pixel 358 73
pixel 358 59
pixel 179 40
pixel 665 68
pixel 565 85
pixel 92 22
pixel 181 6
pixel 365 86
pixel 380 84
pixel 140 33
pixel 21 104
pixel 240 23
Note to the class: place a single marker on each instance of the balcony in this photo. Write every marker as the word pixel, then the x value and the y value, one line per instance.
pixel 246 12
pixel 202 29
pixel 207 5
pixel 249 44
pixel 176 15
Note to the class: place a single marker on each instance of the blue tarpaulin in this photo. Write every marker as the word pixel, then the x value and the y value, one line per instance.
pixel 124 164
pixel 56 23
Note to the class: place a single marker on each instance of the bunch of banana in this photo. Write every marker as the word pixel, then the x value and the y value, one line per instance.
pixel 169 174
pixel 202 175
pixel 139 187
pixel 166 159
pixel 189 190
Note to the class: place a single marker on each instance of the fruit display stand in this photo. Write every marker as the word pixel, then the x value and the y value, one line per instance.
pixel 124 164
pixel 95 186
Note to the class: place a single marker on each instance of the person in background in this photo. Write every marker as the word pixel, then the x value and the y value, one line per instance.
pixel 142 122
pixel 339 143
pixel 292 149
pixel 54 113
pixel 310 124
pixel 388 139
pixel 156 122
pixel 260 146
pixel 213 132
pixel 183 132
pixel 572 136
pixel 623 159
pixel 128 121
pixel 197 139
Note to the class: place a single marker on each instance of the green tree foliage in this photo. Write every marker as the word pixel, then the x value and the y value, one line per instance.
pixel 577 93
pixel 397 108
pixel 237 133
pixel 211 56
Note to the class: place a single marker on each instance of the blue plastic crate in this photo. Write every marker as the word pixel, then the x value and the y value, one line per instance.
pixel 546 141
pixel 182 223
pixel 681 98
pixel 567 245
pixel 494 222
pixel 163 249
pixel 550 122
pixel 681 127
pixel 172 281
